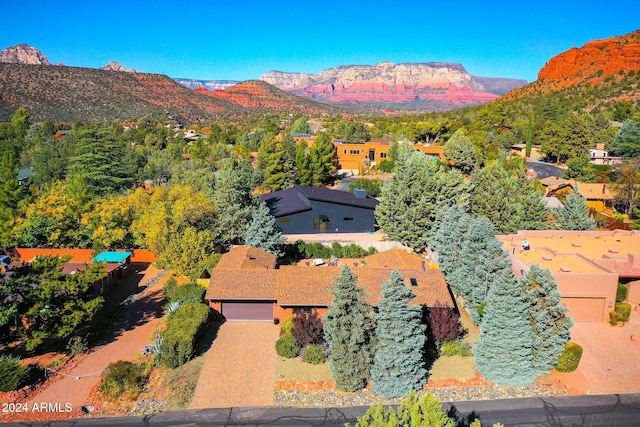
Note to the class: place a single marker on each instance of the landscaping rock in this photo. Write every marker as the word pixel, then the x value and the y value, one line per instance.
pixel 146 407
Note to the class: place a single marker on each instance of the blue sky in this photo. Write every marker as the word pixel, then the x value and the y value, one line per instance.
pixel 240 40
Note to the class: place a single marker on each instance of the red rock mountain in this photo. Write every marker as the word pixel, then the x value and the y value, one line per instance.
pixel 598 59
pixel 419 87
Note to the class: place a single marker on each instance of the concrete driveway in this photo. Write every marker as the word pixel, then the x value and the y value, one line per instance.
pixel 239 368
pixel 610 360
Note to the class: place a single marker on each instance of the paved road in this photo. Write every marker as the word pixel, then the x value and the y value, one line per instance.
pixel 603 410
pixel 544 170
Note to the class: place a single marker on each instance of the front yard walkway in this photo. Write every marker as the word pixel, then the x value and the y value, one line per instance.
pixel 239 368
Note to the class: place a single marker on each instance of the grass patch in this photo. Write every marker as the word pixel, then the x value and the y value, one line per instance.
pixel 296 370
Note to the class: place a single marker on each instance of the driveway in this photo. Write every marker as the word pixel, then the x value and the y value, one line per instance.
pixel 239 368
pixel 610 360
pixel 544 170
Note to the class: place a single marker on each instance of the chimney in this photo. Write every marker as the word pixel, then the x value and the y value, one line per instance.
pixel 604 187
pixel 359 193
pixel 423 267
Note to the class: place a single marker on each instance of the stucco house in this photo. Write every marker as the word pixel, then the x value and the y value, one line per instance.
pixel 587 266
pixel 310 210
pixel 246 285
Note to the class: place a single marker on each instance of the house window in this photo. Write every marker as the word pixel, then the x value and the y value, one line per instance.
pixel 348 219
pixel 354 151
pixel 315 223
pixel 383 155
pixel 302 310
pixel 345 151
pixel 284 220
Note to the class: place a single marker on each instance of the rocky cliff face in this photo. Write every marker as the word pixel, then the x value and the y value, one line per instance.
pixel 595 61
pixel 23 54
pixel 423 86
pixel 115 66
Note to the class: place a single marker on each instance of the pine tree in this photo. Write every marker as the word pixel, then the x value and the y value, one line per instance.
pixel 460 151
pixel 288 158
pixel 574 214
pixel 302 163
pixel 448 243
pixel 548 317
pixel 504 350
pixel 10 195
pixel 400 337
pixel 484 259
pixel 411 200
pixel 349 332
pixel 263 233
pixel 320 160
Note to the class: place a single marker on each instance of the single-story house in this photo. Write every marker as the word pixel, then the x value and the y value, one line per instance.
pixel 311 210
pixel 587 265
pixel 246 285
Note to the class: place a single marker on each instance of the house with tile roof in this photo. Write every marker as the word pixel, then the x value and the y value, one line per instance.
pixel 311 210
pixel 587 266
pixel 245 285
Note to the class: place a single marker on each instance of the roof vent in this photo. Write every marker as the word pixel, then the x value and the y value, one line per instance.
pixel 547 257
pixel 413 281
pixel 613 250
pixel 576 244
pixel 565 269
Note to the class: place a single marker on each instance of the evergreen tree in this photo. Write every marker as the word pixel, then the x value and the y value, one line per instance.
pixel 400 337
pixel 301 126
pixel 460 152
pixel 548 317
pixel 411 200
pixel 627 141
pixel 574 214
pixel 504 350
pixel 448 243
pixel 349 332
pixel 579 168
pixel 321 160
pixel 484 260
pixel 287 151
pixel 302 163
pixel 263 233
pixel 10 196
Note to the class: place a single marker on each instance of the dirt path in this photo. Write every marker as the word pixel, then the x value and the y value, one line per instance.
pixel 239 368
pixel 131 334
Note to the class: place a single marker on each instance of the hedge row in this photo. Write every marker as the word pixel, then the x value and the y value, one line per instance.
pixel 318 250
pixel 184 294
pixel 184 327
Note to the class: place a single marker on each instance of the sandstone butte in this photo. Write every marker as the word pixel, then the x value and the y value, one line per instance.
pixel 608 56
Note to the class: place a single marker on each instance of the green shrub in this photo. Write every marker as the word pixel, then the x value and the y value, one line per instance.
pixel 124 377
pixel 169 289
pixel 287 325
pixel 314 354
pixel 12 373
pixel 614 318
pixel 624 309
pixel 188 293
pixel 456 348
pixel 570 357
pixel 184 327
pixel 621 294
pixel 77 345
pixel 287 346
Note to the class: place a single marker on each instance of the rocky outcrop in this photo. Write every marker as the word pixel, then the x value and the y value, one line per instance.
pixel 23 54
pixel 421 86
pixel 594 61
pixel 115 66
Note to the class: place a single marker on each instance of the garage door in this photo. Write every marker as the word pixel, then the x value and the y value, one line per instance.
pixel 247 310
pixel 585 309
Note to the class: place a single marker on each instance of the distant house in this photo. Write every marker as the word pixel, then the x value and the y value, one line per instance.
pixel 246 285
pixel 599 195
pixel 600 156
pixel 310 210
pixel 354 156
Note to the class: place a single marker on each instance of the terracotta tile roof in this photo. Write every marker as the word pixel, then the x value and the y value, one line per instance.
pixel 245 284
pixel 77 255
pixel 311 285
pixel 394 258
pixel 246 258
